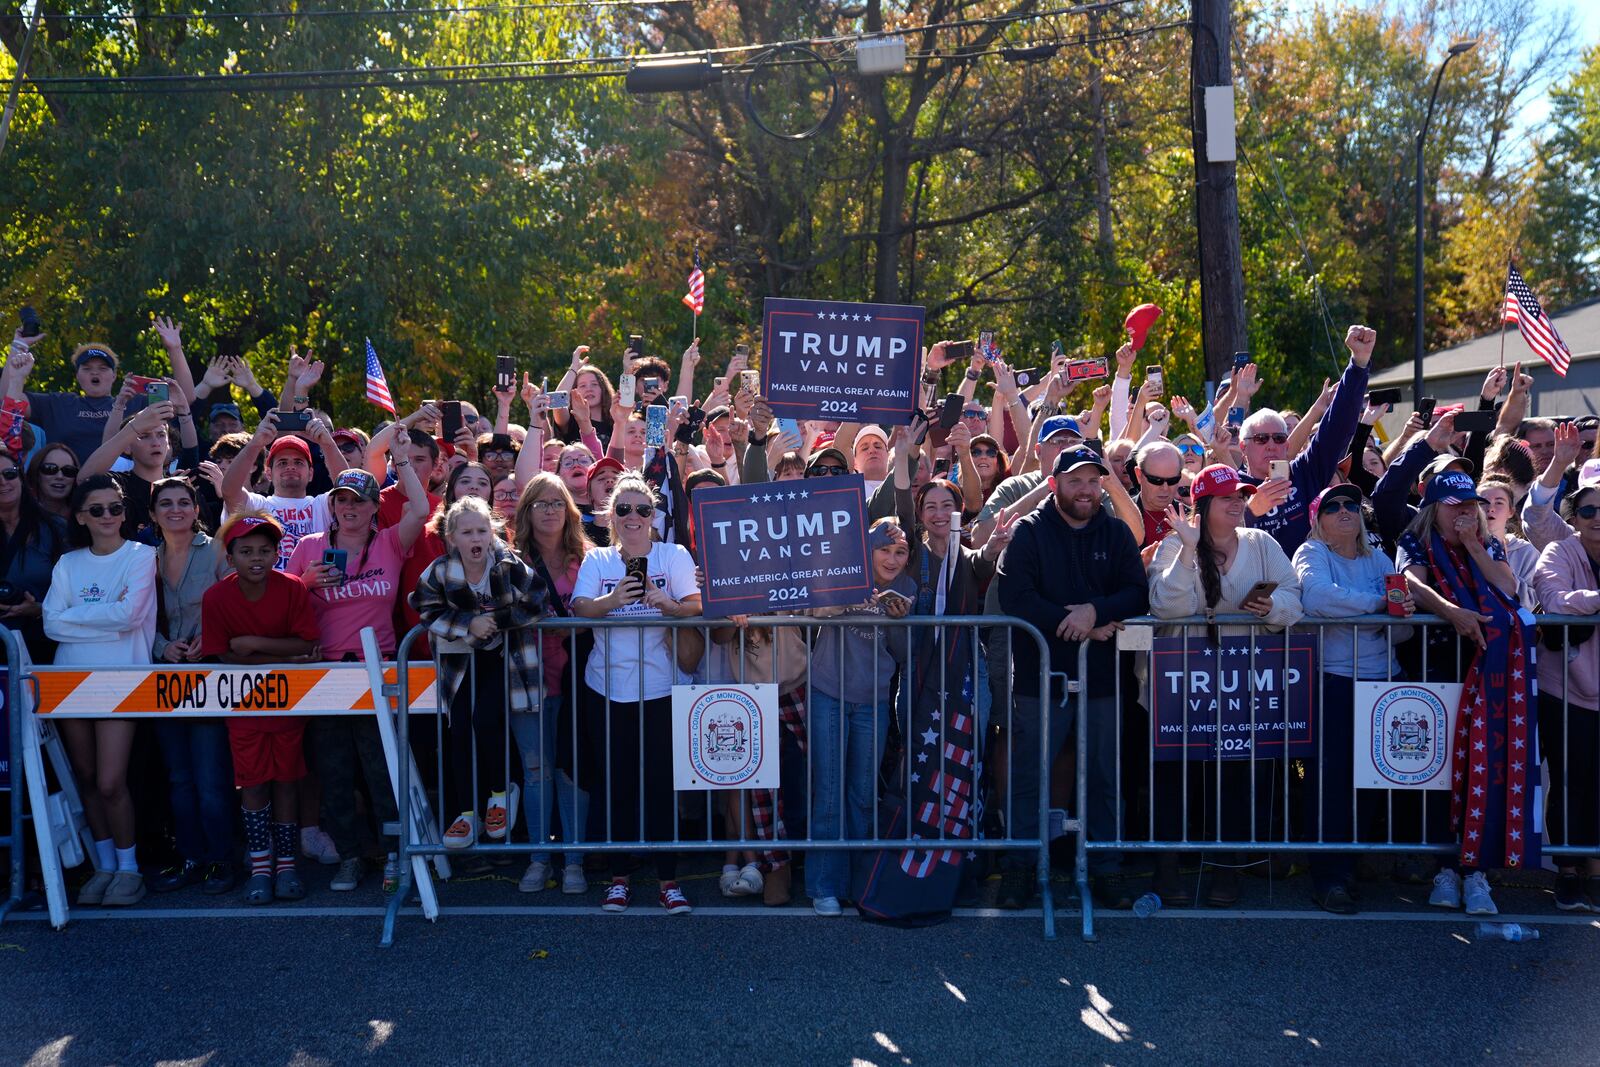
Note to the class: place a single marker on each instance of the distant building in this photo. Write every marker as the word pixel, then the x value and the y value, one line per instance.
pixel 1455 375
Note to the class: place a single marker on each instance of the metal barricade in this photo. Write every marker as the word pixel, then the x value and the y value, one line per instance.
pixel 600 729
pixel 13 842
pixel 1258 793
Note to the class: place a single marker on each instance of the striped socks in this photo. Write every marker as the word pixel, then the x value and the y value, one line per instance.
pixel 285 838
pixel 258 828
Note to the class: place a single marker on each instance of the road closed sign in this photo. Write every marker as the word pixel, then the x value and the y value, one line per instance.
pixel 160 692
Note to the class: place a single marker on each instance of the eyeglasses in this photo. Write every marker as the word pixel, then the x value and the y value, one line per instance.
pixel 552 505
pixel 507 456
pixel 1263 438
pixel 1192 450
pixel 1333 507
pixel 1154 479
pixel 100 511
pixel 50 470
pixel 10 474
pixel 1587 511
pixel 644 511
pixel 574 464
pixel 984 451
pixel 825 470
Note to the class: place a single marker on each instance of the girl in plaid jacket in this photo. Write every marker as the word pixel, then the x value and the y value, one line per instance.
pixel 481 602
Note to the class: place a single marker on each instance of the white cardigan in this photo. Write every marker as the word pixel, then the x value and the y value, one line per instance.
pixel 1175 589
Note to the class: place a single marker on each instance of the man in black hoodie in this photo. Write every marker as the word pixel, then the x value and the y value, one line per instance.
pixel 1074 572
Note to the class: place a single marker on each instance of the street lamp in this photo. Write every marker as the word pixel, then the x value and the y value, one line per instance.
pixel 1456 49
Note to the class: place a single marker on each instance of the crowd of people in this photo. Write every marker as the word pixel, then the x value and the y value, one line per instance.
pixel 147 523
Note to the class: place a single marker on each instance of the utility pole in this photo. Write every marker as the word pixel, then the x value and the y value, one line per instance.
pixel 1216 194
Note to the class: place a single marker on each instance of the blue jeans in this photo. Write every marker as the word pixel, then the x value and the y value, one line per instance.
pixel 536 740
pixel 846 744
pixel 200 782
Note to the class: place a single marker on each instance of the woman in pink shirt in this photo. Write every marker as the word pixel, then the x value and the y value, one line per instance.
pixel 353 575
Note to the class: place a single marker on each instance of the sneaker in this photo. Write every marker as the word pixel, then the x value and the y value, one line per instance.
pixel 747 883
pixel 1569 892
pixel 315 844
pixel 535 877
pixel 219 879
pixel 1475 890
pixel 94 890
pixel 391 873
pixel 573 883
pixel 1591 892
pixel 618 896
pixel 258 890
pixel 288 886
pixel 127 887
pixel 181 876
pixel 348 876
pixel 673 900
pixel 501 814
pixel 463 833
pixel 827 907
pixel 1446 890
pixel 1016 888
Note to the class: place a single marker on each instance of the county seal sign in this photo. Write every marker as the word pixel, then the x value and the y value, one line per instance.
pixel 725 736
pixel 1402 735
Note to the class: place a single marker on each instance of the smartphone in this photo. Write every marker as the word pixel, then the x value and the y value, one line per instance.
pixel 228 344
pixel 141 384
pixel 959 350
pixel 639 567
pixel 156 392
pixel 560 400
pixel 337 558
pixel 1154 374
pixel 30 322
pixel 680 404
pixel 986 346
pixel 950 413
pixel 293 420
pixel 1079 370
pixel 1027 376
pixel 1476 421
pixel 636 343
pixel 894 595
pixel 1240 360
pixel 1236 417
pixel 655 426
pixel 625 384
pixel 1394 593
pixel 750 381
pixel 742 351
pixel 450 419
pixel 791 426
pixel 505 372
pixel 1259 591
pixel 1280 468
pixel 1056 350
pixel 1384 396
pixel 1425 408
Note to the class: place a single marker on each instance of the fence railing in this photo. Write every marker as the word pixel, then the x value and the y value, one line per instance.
pixel 12 842
pixel 613 748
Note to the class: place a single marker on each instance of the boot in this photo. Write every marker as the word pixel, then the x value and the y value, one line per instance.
pixel 775 893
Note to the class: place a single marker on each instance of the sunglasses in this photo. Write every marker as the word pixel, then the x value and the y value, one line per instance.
pixel 1192 450
pixel 644 511
pixel 1587 511
pixel 978 414
pixel 50 470
pixel 1263 438
pixel 100 511
pixel 984 451
pixel 349 448
pixel 1333 507
pixel 1157 480
pixel 10 474
pixel 825 470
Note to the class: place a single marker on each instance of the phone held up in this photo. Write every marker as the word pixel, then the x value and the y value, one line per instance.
pixel 505 373
pixel 450 419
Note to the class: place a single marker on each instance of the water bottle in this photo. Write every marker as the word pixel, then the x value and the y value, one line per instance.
pixel 391 873
pixel 1515 932
pixel 1149 904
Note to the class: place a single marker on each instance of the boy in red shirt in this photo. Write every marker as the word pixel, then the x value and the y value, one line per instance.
pixel 261 615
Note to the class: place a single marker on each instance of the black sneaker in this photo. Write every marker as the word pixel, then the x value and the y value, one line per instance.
pixel 180 876
pixel 1569 892
pixel 219 879
pixel 1335 899
pixel 1016 888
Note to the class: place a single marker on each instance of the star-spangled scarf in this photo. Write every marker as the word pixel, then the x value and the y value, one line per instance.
pixel 1496 762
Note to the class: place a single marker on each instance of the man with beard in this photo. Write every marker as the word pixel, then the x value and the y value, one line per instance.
pixel 1074 572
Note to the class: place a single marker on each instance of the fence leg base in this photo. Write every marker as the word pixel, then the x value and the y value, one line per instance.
pixel 1088 910
pixel 1047 902
pixel 391 911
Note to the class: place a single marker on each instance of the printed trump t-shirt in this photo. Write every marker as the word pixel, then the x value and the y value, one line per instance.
pixel 364 598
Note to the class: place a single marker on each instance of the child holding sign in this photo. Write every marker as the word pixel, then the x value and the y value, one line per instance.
pixel 259 614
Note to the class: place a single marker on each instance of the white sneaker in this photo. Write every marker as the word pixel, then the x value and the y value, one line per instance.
pixel 535 877
pixel 1446 890
pixel 748 883
pixel 730 878
pixel 315 844
pixel 1476 892
pixel 573 883
pixel 827 907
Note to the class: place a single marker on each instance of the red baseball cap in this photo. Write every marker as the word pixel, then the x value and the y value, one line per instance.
pixel 1219 479
pixel 289 444
pixel 608 463
pixel 249 524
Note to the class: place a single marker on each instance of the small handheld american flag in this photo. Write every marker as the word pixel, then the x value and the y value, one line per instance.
pixel 695 298
pixel 377 386
pixel 1522 308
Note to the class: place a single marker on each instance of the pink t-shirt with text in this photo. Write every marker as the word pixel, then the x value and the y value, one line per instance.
pixel 365 597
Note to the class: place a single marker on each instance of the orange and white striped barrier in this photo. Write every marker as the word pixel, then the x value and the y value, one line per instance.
pixel 210 692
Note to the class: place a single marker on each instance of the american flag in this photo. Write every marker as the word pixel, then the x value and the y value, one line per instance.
pixel 695 298
pixel 1522 308
pixel 377 387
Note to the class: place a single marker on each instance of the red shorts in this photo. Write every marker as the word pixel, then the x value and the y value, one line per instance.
pixel 267 749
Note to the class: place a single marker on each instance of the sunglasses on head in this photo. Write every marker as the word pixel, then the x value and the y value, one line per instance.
pixel 1155 479
pixel 50 470
pixel 644 511
pixel 100 511
pixel 1263 438
pixel 1333 507
pixel 825 470
pixel 1192 450
pixel 1587 511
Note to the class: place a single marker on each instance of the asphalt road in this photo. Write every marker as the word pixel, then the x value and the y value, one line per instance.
pixel 761 986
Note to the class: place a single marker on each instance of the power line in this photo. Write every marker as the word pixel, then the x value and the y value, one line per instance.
pixel 393 12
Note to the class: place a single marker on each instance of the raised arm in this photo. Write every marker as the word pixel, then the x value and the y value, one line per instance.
pixel 235 488
pixel 171 334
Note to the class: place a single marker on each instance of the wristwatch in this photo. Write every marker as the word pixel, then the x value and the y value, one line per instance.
pixel 930 377
pixel 972 375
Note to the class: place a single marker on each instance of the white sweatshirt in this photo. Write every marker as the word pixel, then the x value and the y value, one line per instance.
pixel 102 609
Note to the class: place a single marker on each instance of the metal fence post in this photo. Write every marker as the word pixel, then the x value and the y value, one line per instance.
pixel 14 840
